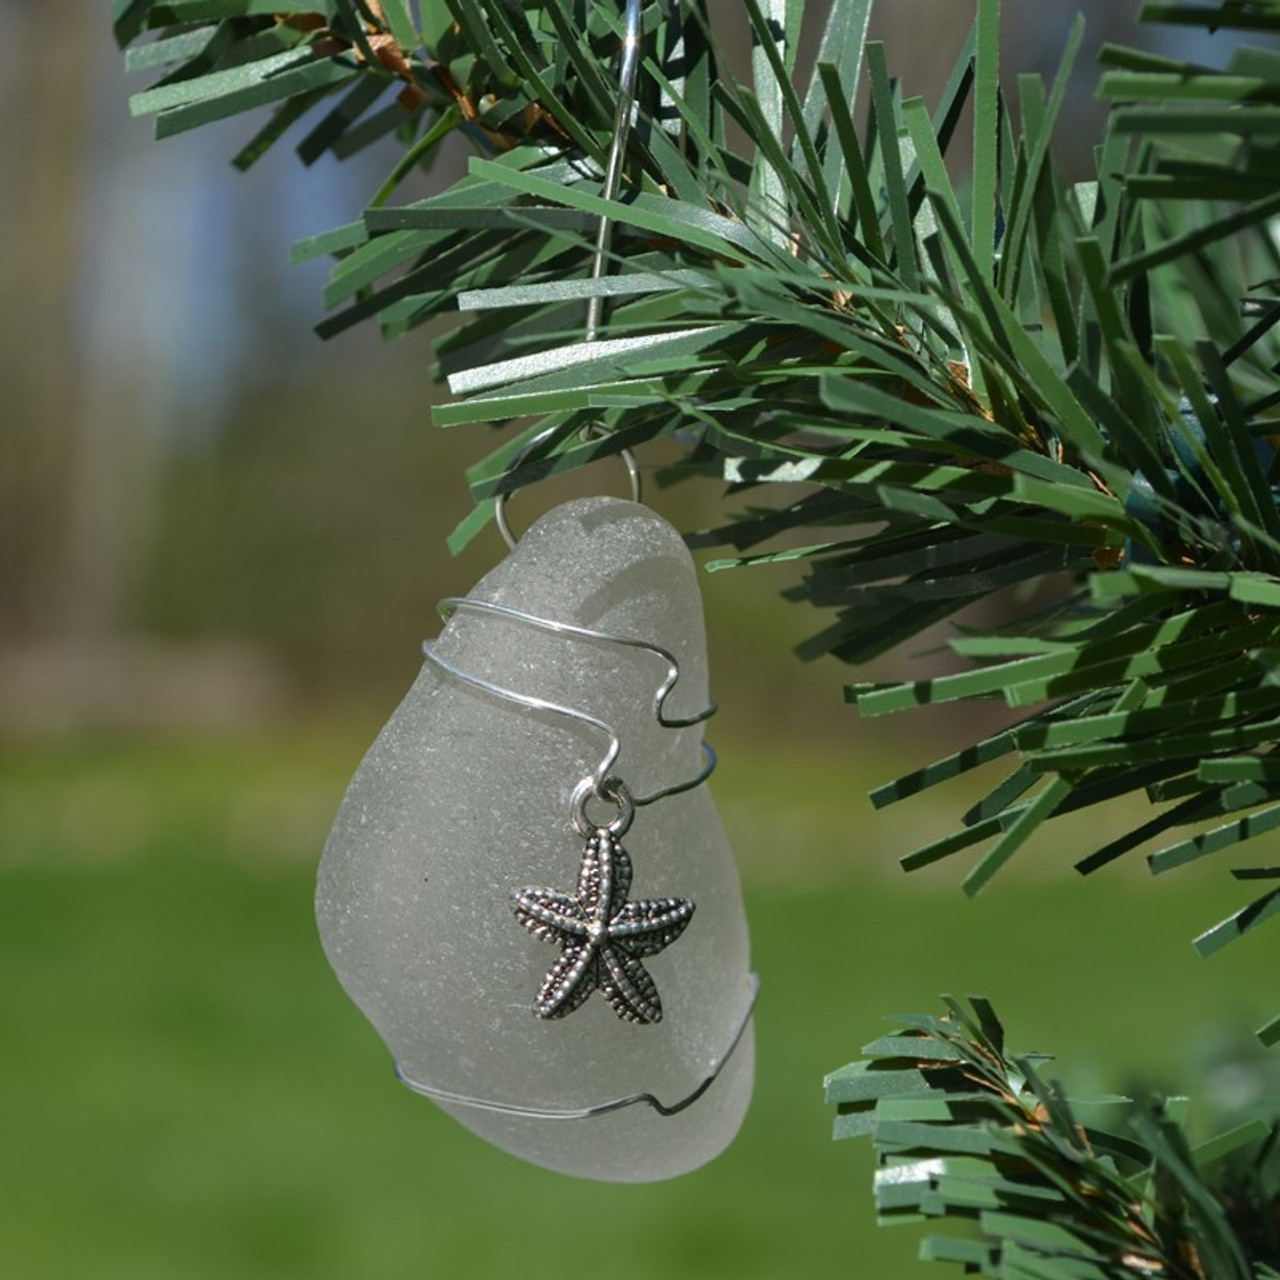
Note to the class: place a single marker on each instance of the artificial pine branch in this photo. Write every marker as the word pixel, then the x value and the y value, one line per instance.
pixel 968 392
pixel 967 1131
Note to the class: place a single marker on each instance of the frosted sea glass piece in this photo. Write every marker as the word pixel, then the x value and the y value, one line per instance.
pixel 465 797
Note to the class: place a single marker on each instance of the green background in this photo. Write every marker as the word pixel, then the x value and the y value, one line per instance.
pixel 187 1092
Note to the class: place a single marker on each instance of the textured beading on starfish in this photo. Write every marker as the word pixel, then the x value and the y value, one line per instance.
pixel 601 935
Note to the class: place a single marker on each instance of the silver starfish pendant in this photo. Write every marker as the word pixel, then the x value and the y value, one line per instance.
pixel 601 935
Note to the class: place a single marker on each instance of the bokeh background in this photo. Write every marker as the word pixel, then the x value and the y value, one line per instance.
pixel 221 541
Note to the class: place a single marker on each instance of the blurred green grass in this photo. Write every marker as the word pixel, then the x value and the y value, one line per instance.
pixel 187 1093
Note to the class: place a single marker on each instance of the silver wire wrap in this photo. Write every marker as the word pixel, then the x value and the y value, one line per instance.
pixel 601 1109
pixel 627 75
pixel 602 784
pixel 599 781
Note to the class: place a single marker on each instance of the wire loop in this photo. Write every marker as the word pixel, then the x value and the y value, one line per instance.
pixel 627 458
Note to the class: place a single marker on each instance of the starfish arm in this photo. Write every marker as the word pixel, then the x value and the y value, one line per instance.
pixel 594 872
pixel 621 880
pixel 644 928
pixel 604 879
pixel 627 986
pixel 573 977
pixel 549 915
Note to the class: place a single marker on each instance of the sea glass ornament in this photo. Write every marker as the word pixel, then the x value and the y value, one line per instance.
pixel 463 808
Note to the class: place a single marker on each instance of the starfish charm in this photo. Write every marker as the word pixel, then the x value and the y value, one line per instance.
pixel 601 935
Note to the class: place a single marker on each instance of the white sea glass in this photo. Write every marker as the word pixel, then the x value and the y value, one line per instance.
pixel 465 796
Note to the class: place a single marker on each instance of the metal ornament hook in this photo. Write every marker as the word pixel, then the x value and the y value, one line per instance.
pixel 627 76
pixel 628 73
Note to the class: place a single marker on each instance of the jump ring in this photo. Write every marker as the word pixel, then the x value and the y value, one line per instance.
pixel 612 789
